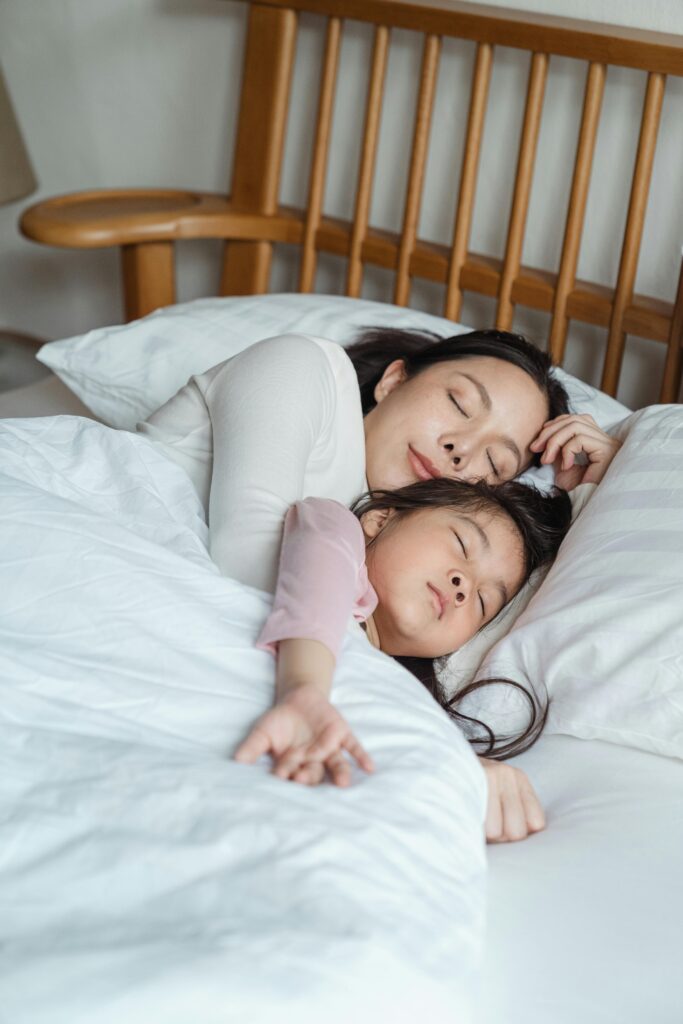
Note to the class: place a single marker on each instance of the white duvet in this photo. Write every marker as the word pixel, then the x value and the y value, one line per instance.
pixel 144 875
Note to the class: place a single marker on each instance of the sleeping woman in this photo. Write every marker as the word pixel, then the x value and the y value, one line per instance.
pixel 296 417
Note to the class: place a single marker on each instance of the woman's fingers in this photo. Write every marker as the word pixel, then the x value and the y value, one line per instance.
pixel 583 421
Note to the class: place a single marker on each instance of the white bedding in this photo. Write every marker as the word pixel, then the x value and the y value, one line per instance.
pixel 144 876
pixel 585 920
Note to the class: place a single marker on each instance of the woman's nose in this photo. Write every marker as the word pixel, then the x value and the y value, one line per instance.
pixel 458 455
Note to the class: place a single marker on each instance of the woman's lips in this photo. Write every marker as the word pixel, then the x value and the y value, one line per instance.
pixel 438 599
pixel 422 467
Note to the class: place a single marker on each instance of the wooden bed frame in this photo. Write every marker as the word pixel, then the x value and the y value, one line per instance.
pixel 146 223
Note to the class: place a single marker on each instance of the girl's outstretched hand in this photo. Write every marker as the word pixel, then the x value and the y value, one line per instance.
pixel 306 736
pixel 565 437
pixel 513 810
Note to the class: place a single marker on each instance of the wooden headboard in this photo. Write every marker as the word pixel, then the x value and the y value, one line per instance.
pixel 147 223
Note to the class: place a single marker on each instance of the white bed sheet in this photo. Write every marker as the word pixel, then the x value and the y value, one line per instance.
pixel 146 877
pixel 585 920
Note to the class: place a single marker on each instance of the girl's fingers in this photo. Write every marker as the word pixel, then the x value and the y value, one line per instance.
pixel 339 770
pixel 494 815
pixel 514 816
pixel 359 753
pixel 256 744
pixel 535 818
pixel 287 765
pixel 310 774
pixel 328 741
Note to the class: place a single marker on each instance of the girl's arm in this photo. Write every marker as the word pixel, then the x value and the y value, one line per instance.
pixel 322 582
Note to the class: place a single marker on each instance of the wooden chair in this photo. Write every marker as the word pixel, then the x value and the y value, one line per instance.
pixel 147 223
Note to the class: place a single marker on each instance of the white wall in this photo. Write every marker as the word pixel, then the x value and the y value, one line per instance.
pixel 141 92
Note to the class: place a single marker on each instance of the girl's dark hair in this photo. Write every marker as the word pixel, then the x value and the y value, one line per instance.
pixel 542 521
pixel 379 346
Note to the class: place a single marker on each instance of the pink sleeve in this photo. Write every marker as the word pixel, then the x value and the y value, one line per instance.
pixel 322 579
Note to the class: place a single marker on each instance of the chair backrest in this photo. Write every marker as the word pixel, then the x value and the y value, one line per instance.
pixel 265 100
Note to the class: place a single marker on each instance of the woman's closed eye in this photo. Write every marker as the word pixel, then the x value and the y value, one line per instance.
pixel 494 468
pixel 459 407
pixel 483 606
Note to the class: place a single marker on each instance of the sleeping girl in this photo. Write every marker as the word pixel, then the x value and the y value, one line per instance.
pixel 423 568
pixel 296 417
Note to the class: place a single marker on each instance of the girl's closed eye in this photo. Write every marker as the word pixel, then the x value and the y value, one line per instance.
pixel 483 606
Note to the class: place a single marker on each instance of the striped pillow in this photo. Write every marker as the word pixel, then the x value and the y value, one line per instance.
pixel 604 633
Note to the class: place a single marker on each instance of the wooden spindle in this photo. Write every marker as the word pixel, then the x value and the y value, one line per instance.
pixel 320 154
pixel 671 379
pixel 592 102
pixel 373 112
pixel 148 278
pixel 260 141
pixel 418 160
pixel 628 265
pixel 520 203
pixel 468 177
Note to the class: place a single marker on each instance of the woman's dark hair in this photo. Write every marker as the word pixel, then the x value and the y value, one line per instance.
pixel 542 521
pixel 379 346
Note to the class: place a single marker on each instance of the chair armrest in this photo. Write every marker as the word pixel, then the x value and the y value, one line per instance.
pixel 93 220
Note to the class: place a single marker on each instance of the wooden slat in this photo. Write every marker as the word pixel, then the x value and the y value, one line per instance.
pixel 520 203
pixel 671 380
pixel 595 83
pixel 260 140
pixel 320 153
pixel 468 177
pixel 367 163
pixel 526 30
pixel 640 187
pixel 418 160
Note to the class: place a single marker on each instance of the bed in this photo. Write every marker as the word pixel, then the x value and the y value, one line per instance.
pixel 379 909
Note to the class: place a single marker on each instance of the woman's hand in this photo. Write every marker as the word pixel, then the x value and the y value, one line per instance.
pixel 565 437
pixel 513 810
pixel 306 736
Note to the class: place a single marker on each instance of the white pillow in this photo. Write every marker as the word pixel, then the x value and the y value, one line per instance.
pixel 124 373
pixel 604 633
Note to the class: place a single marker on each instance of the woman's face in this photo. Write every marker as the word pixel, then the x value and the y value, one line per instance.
pixel 440 575
pixel 468 419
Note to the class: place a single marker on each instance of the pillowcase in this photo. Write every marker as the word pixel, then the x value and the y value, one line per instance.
pixel 124 373
pixel 604 633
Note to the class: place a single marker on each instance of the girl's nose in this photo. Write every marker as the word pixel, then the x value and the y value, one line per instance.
pixel 459 585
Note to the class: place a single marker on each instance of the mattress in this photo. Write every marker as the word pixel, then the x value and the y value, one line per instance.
pixel 585 920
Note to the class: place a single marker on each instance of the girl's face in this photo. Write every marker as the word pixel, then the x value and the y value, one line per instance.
pixel 440 575
pixel 468 419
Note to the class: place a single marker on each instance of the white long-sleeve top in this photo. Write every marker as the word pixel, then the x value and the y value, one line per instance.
pixel 279 422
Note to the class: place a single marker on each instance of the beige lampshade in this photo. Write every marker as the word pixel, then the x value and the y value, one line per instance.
pixel 16 174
